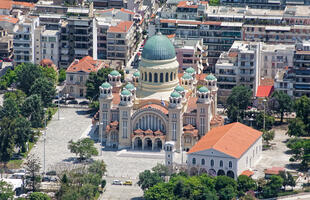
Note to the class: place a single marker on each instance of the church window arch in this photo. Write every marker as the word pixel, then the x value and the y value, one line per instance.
pixel 161 77
pixel 145 76
pixel 150 77
pixel 167 76
pixel 171 74
pixel 155 77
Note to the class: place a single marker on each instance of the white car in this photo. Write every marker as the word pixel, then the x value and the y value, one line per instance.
pixel 117 182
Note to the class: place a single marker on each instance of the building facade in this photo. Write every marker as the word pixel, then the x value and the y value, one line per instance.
pixel 157 106
pixel 226 150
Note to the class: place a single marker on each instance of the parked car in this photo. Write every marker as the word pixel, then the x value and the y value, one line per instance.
pixel 73 102
pixel 46 179
pixel 84 103
pixel 128 182
pixel 116 182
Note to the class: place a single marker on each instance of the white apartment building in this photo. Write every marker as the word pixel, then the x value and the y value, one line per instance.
pixel 50 45
pixel 238 66
pixel 26 40
pixel 274 57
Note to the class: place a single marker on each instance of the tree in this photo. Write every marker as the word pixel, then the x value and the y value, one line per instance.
pixel 159 191
pixel 288 179
pixel 296 127
pixel 33 110
pixel 18 95
pixel 237 102
pixel 227 193
pixel 6 191
pixel 7 139
pixel 214 2
pixel 33 167
pixel 62 75
pixel 269 121
pixel 26 74
pixel 97 167
pixel 267 136
pixel 7 79
pixel 282 103
pixel 39 196
pixel 88 191
pixel 161 169
pixel 302 107
pixel 224 181
pixel 301 151
pixel 245 184
pixel 45 89
pixel 273 187
pixel 22 131
pixel 84 148
pixel 49 73
pixel 10 108
pixel 148 179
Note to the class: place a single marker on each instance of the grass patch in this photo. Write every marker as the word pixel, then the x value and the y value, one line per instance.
pixel 14 164
pixel 30 145
pixel 286 193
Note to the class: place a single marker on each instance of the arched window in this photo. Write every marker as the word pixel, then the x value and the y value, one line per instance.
pixel 167 77
pixel 71 89
pixel 171 76
pixel 142 76
pixel 203 162
pixel 212 163
pixel 230 164
pixel 155 78
pixel 161 77
pixel 145 76
pixel 174 76
pixel 150 77
pixel 221 163
pixel 194 161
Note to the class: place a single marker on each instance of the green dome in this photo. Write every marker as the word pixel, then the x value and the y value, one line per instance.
pixel 210 77
pixel 203 89
pixel 130 86
pixel 106 85
pixel 136 74
pixel 190 70
pixel 114 73
pixel 125 92
pixel 179 88
pixel 158 47
pixel 187 76
pixel 175 94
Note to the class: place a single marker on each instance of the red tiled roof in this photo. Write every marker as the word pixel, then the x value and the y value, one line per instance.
pixel 6 4
pixel 23 4
pixel 248 173
pixel 158 107
pixel 148 132
pixel 232 139
pixel 86 64
pixel 212 23
pixel 138 131
pixel 115 123
pixel 192 105
pixel 274 170
pixel 158 132
pixel 121 27
pixel 264 91
pixel 204 2
pixel 8 19
pixel 186 4
pixel 127 11
pixel 46 62
pixel 104 11
pixel 171 36
pixel 116 98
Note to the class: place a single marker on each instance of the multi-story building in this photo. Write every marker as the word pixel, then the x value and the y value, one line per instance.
pixel 26 40
pixel 238 66
pixel 50 45
pixel 284 81
pixel 275 57
pixel 189 53
pixel 154 108
pixel 265 4
pixel 6 44
pixel 77 75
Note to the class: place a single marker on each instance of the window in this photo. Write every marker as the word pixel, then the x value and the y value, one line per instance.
pixel 124 129
pixel 52 45
pixel 230 164
pixel 104 119
pixel 71 78
pixel 44 51
pixel 203 162
pixel 124 113
pixel 194 161
pixel 202 125
pixel 202 110
pixel 212 163
pixel 174 116
pixel 174 131
pixel 104 106
pixel 221 163
pixel 81 78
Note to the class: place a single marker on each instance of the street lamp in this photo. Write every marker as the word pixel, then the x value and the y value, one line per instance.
pixel 264 102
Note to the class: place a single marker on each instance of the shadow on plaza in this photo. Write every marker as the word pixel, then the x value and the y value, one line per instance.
pixel 137 198
pixel 88 113
pixel 75 160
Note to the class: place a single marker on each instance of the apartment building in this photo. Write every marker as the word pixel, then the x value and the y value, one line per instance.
pixel 274 58
pixel 77 74
pixel 265 4
pixel 189 53
pixel 238 66
pixel 50 45
pixel 26 41
pixel 6 44
pixel 284 81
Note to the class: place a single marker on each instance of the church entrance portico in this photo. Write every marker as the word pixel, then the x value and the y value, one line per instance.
pixel 148 144
pixel 137 144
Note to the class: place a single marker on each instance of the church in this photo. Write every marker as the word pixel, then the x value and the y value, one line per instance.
pixel 159 104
